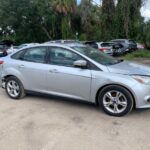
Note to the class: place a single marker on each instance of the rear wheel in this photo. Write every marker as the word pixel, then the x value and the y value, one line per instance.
pixel 14 88
pixel 115 100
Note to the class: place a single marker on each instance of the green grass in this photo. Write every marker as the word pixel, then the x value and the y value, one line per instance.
pixel 137 54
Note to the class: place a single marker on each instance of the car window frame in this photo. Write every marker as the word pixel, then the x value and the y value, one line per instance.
pixel 29 48
pixel 49 56
pixel 90 65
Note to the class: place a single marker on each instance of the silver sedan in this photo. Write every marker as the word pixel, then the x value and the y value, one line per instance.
pixel 79 72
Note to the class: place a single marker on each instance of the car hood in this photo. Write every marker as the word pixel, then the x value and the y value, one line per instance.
pixel 129 68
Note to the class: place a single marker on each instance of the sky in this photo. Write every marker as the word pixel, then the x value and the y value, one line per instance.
pixel 145 10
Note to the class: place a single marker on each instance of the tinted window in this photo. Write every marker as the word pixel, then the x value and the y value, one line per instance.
pixel 63 57
pixel 118 41
pixel 17 55
pixel 94 45
pixel 37 55
pixel 132 42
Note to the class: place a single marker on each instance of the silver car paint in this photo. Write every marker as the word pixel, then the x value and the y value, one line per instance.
pixel 78 83
pixel 130 68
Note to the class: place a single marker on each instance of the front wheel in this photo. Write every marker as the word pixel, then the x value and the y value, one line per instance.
pixel 14 88
pixel 115 100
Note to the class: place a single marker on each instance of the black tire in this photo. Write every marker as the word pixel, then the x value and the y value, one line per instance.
pixel 126 94
pixel 21 91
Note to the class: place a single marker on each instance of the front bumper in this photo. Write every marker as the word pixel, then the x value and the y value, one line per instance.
pixel 142 95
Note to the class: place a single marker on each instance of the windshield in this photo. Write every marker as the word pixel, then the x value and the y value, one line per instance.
pixel 96 55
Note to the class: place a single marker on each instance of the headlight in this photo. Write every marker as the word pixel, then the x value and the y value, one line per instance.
pixel 142 79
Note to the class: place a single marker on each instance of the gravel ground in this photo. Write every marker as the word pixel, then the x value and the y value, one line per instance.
pixel 48 123
pixel 142 61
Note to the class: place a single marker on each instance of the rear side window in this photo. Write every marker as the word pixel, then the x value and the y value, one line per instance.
pixel 17 55
pixel 35 55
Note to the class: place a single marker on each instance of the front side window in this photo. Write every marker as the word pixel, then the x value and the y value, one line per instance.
pixel 62 57
pixel 37 55
pixel 96 55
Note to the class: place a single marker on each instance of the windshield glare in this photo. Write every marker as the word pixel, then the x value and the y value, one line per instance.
pixel 96 55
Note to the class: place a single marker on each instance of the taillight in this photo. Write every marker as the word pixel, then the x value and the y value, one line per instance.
pixel 103 49
pixel 1 62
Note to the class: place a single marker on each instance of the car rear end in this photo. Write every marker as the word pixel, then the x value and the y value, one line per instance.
pixel 106 47
pixel 132 45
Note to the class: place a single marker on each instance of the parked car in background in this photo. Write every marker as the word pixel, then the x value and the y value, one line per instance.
pixel 127 44
pixel 79 72
pixel 3 50
pixel 140 46
pixel 6 47
pixel 105 47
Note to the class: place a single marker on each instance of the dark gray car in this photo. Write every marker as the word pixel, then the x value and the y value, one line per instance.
pixel 128 45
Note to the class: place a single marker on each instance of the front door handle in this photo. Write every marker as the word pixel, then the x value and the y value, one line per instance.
pixel 21 66
pixel 53 71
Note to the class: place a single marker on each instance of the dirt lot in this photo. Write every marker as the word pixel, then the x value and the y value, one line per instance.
pixel 46 123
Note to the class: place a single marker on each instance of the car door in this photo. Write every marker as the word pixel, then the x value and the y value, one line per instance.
pixel 32 68
pixel 64 79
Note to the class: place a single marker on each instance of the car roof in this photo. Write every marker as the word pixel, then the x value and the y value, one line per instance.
pixel 121 39
pixel 89 42
pixel 68 45
pixel 63 41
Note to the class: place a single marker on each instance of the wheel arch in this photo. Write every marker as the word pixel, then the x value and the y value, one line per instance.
pixel 16 76
pixel 101 88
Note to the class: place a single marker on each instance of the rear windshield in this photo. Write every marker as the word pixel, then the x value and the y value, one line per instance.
pixel 132 42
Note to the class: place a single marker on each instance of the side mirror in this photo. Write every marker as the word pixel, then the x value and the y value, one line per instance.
pixel 80 63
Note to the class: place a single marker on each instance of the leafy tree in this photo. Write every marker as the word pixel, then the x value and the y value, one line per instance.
pixel 42 20
pixel 65 8
pixel 32 21
pixel 90 20
pixel 128 18
pixel 107 19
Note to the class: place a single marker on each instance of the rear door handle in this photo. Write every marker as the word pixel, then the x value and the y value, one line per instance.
pixel 53 71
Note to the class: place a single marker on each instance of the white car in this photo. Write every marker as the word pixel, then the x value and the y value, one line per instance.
pixel 106 47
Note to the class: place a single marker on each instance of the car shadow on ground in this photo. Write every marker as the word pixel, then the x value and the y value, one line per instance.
pixel 77 103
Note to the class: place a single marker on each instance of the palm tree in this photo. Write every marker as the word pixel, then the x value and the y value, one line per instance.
pixel 65 8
